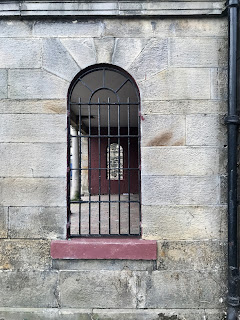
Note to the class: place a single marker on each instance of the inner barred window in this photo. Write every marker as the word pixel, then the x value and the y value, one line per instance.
pixel 103 154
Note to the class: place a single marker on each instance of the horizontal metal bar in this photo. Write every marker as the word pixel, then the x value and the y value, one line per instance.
pixel 104 104
pixel 103 169
pixel 106 201
pixel 106 136
pixel 107 235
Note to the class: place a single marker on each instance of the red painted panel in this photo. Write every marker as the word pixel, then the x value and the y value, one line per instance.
pixel 130 249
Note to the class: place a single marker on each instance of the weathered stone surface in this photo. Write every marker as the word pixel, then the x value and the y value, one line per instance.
pixel 24 255
pixel 57 60
pixel 34 289
pixel 104 49
pixel 33 106
pixel 190 289
pixel 104 265
pixel 178 83
pixel 205 130
pixel 82 50
pixel 192 255
pixel 184 107
pixel 180 190
pixel 184 223
pixel 37 222
pixel 151 60
pixel 224 189
pixel 3 84
pixel 198 52
pixel 33 160
pixel 70 29
pixel 33 192
pixel 3 222
pixel 195 161
pixel 36 84
pixel 85 289
pixel 219 81
pixel 158 314
pixel 12 28
pixel 127 50
pixel 33 128
pixel 163 130
pixel 20 53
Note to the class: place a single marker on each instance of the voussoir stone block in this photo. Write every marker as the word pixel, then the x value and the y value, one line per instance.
pixel 178 83
pixel 104 49
pixel 190 289
pixel 24 255
pixel 33 191
pixel 163 130
pixel 180 190
pixel 184 222
pixel 33 128
pixel 37 222
pixel 189 161
pixel 33 160
pixel 98 289
pixel 3 222
pixel 198 52
pixel 151 60
pixel 20 53
pixel 192 255
pixel 33 106
pixel 36 84
pixel 82 50
pixel 206 130
pixel 35 289
pixel 57 60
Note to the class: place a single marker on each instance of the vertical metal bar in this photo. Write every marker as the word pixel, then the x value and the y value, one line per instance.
pixel 68 171
pixel 99 168
pixel 80 166
pixel 129 189
pixel 109 170
pixel 89 167
pixel 139 167
pixel 119 185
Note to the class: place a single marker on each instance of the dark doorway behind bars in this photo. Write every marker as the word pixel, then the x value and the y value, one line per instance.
pixel 104 188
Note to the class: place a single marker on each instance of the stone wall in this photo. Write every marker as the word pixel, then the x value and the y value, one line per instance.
pixel 180 66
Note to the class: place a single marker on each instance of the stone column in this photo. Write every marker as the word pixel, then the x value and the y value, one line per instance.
pixel 75 165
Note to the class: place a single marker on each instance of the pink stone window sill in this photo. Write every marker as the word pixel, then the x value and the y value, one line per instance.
pixel 130 249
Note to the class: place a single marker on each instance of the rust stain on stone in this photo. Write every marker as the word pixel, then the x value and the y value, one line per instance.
pixel 179 143
pixel 160 140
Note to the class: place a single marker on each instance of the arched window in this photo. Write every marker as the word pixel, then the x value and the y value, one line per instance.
pixel 103 154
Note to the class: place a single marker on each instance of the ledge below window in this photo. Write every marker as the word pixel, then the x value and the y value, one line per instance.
pixel 129 249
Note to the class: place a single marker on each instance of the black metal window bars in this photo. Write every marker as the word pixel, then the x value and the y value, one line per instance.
pixel 103 105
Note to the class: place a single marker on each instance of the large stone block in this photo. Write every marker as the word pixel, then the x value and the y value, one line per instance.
pixel 36 84
pixel 104 49
pixel 127 50
pixel 178 83
pixel 195 161
pixel 16 28
pixel 20 53
pixel 3 84
pixel 34 289
pixel 33 160
pixel 205 130
pixel 33 106
pixel 219 81
pixel 70 29
pixel 57 60
pixel 24 255
pixel 137 265
pixel 198 52
pixel 33 128
pixel 184 223
pixel 184 107
pixel 192 255
pixel 3 222
pixel 180 190
pixel 163 130
pixel 33 192
pixel 190 289
pixel 37 222
pixel 98 289
pixel 82 50
pixel 151 60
